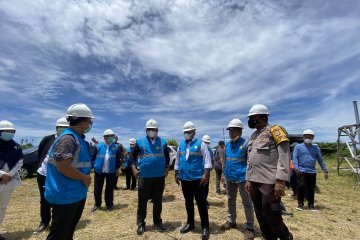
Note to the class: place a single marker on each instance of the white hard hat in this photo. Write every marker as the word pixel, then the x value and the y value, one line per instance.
pixel 6 125
pixel 62 122
pixel 308 132
pixel 188 126
pixel 79 110
pixel 108 132
pixel 206 139
pixel 235 123
pixel 258 109
pixel 151 123
pixel 132 141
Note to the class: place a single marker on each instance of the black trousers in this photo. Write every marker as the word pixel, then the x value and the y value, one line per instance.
pixel 306 183
pixel 109 188
pixel 206 190
pixel 191 190
pixel 268 211
pixel 65 217
pixel 45 207
pixel 130 178
pixel 150 188
pixel 293 181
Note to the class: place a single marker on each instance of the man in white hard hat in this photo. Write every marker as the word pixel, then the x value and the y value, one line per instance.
pixel 106 166
pixel 192 169
pixel 130 177
pixel 68 173
pixel 11 160
pixel 44 146
pixel 268 169
pixel 234 173
pixel 207 140
pixel 153 168
pixel 305 156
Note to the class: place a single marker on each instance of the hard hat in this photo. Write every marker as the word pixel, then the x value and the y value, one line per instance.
pixel 132 141
pixel 151 124
pixel 258 109
pixel 308 132
pixel 188 126
pixel 235 123
pixel 79 110
pixel 206 139
pixel 6 125
pixel 108 132
pixel 62 122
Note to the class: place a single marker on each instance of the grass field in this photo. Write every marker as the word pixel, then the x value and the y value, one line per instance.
pixel 338 201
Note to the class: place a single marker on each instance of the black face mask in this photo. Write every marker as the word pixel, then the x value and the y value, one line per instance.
pixel 252 123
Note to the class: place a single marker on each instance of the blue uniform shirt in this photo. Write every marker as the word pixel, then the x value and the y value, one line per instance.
pixel 305 157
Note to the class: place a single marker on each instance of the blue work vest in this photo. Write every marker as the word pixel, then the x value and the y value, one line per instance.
pixel 100 157
pixel 60 189
pixel 192 168
pixel 235 161
pixel 127 158
pixel 152 158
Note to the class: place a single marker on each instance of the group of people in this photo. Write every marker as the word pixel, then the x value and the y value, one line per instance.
pixel 257 169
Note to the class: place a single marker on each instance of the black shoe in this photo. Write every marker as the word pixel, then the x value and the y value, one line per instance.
pixel 116 188
pixel 205 233
pixel 290 236
pixel 132 188
pixel 109 209
pixel 159 227
pixel 187 228
pixel 140 229
pixel 125 188
pixel 40 228
pixel 2 238
pixel 94 209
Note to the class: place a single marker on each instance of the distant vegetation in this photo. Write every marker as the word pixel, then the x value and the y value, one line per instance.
pixel 26 146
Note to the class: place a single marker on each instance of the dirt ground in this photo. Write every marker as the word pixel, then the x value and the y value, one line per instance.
pixel 338 201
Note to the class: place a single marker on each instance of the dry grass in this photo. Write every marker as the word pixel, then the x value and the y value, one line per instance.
pixel 338 218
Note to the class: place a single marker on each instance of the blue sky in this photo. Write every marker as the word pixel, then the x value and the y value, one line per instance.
pixel 174 61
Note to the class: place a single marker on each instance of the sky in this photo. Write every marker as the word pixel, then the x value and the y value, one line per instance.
pixel 205 61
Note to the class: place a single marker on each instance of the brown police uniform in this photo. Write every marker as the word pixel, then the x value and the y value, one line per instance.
pixel 268 160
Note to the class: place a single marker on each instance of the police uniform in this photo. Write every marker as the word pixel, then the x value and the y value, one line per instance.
pixel 67 196
pixel 154 158
pixel 268 160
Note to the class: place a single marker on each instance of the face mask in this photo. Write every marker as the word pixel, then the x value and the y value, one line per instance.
pixel 7 136
pixel 252 123
pixel 307 140
pixel 187 136
pixel 59 130
pixel 88 129
pixel 151 134
pixel 111 139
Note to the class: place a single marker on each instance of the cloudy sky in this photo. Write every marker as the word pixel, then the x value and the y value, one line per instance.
pixel 207 61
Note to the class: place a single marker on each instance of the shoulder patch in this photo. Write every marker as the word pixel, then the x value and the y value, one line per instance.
pixel 279 134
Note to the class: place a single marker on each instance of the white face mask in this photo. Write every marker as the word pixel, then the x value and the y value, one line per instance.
pixel 308 140
pixel 151 134
pixel 188 136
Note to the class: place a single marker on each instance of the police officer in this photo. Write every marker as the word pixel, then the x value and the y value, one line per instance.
pixel 192 169
pixel 153 168
pixel 44 146
pixel 234 173
pixel 68 173
pixel 106 166
pixel 268 169
pixel 11 160
pixel 130 177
